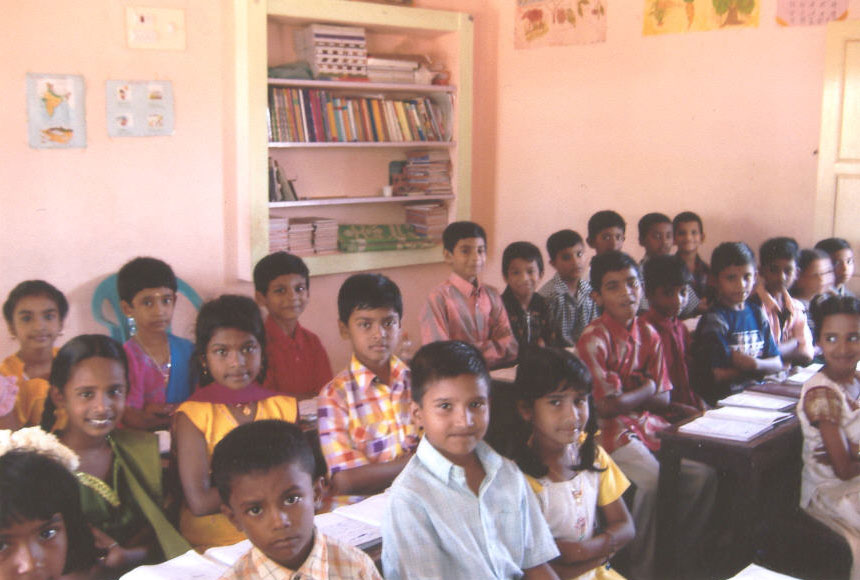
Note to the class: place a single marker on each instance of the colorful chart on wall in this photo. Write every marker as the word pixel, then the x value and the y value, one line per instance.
pixel 675 16
pixel 810 12
pixel 559 22
pixel 55 111
pixel 139 109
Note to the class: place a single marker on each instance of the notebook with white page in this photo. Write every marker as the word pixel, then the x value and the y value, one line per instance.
pixel 748 415
pixel 723 429
pixel 804 374
pixel 758 401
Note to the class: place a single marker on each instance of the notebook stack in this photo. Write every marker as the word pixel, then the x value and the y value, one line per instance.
pixel 428 172
pixel 278 238
pixel 324 233
pixel 300 236
pixel 333 51
pixel 392 69
pixel 428 219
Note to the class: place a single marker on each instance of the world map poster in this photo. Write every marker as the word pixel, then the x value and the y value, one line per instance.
pixel 55 111
pixel 559 22
pixel 675 16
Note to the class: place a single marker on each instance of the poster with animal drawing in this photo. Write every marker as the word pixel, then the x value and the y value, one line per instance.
pixel 559 22
pixel 810 12
pixel 674 16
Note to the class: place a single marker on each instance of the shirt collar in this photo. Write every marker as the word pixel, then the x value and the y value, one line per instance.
pixel 273 328
pixel 364 377
pixel 562 288
pixel 464 286
pixel 618 331
pixel 314 567
pixel 445 470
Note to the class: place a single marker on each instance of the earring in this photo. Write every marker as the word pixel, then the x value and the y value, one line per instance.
pixel 132 325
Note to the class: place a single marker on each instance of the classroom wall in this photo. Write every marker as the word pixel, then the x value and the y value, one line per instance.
pixel 724 123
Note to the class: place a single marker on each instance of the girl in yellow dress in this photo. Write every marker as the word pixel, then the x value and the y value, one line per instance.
pixel 229 355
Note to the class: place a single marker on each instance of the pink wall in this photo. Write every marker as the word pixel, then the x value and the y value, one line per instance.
pixel 712 122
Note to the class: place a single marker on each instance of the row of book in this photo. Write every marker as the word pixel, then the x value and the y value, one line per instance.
pixel 302 236
pixel 315 115
pixel 428 219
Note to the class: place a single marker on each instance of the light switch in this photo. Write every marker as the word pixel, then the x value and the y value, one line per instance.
pixel 155 28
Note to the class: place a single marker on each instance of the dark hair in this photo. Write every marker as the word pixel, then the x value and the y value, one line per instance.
pixel 445 360
pixel 523 250
pixel 227 311
pixel 74 352
pixel 275 265
pixel 778 249
pixel 833 245
pixel 688 216
pixel 543 371
pixel 807 257
pixel 34 288
pixel 731 254
pixel 35 487
pixel 143 273
pixel 604 219
pixel 665 271
pixel 612 261
pixel 830 306
pixel 259 446
pixel 649 220
pixel 457 231
pixel 365 292
pixel 561 240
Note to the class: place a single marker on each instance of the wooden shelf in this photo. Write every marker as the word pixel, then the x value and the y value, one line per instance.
pixel 357 200
pixel 356 261
pixel 363 86
pixel 362 144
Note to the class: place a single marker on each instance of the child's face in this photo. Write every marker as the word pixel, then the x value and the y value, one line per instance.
pixel 36 322
pixel 558 418
pixel 468 258
pixel 374 334
pixel 619 294
pixel 34 549
pixel 816 279
pixel 523 277
pixel 668 301
pixel 658 240
pixel 570 263
pixel 688 237
pixel 779 275
pixel 454 413
pixel 275 509
pixel 734 284
pixel 286 298
pixel 152 309
pixel 233 357
pixel 607 240
pixel 94 396
pixel 843 265
pixel 840 342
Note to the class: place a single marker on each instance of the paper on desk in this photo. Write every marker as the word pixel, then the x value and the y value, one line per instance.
pixel 369 511
pixel 758 401
pixel 723 428
pixel 308 409
pixel 804 374
pixel 756 572
pixel 188 566
pixel 507 375
pixel 748 415
pixel 348 530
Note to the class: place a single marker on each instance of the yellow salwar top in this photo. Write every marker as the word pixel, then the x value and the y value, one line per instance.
pixel 32 393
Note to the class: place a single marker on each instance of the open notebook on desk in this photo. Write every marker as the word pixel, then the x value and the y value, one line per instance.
pixel 755 400
pixel 735 423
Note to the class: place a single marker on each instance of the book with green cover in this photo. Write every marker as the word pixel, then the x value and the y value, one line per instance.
pixel 380 237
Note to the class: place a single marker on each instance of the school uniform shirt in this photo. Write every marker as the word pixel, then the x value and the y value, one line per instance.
pixel 620 360
pixel 569 313
pixel 676 342
pixel 147 382
pixel 473 313
pixel 530 324
pixel 297 365
pixel 436 527
pixel 328 560
pixel 362 420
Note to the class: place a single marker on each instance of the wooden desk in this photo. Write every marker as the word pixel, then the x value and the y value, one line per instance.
pixel 747 462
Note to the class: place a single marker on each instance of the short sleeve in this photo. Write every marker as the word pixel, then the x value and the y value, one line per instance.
pixel 613 482
pixel 333 414
pixel 822 404
pixel 712 340
pixel 411 546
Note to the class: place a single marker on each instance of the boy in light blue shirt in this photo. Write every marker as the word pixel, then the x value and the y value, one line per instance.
pixel 458 509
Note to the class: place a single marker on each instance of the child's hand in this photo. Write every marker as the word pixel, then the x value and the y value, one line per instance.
pixel 159 411
pixel 113 554
pixel 680 411
pixel 743 361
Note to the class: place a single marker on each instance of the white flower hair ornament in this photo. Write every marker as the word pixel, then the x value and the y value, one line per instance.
pixel 34 440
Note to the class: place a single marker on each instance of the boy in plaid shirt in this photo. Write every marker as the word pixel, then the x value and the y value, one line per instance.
pixel 365 428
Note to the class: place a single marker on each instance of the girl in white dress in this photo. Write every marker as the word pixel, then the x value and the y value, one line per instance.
pixel 829 413
pixel 571 475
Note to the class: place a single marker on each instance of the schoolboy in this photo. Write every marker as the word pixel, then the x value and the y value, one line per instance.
pixel 568 293
pixel 459 510
pixel 689 233
pixel 625 356
pixel 606 231
pixel 297 363
pixel 522 269
pixel 265 475
pixel 842 256
pixel 461 308
pixel 785 315
pixel 655 235
pixel 365 428
pixel 159 363
pixel 732 343
pixel 667 283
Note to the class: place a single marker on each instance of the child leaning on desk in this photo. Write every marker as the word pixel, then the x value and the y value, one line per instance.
pixel 829 416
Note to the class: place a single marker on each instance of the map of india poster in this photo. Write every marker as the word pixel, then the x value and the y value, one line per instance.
pixel 674 16
pixel 55 111
pixel 559 22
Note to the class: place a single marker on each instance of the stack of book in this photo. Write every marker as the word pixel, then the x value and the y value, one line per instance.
pixel 392 69
pixel 300 236
pixel 428 219
pixel 323 230
pixel 316 116
pixel 333 51
pixel 278 239
pixel 428 172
